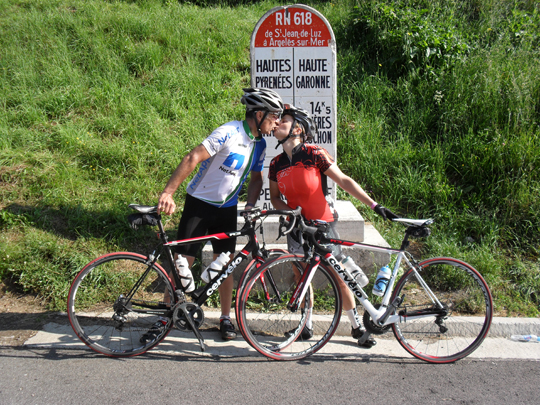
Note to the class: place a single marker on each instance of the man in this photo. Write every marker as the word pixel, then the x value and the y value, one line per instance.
pixel 226 157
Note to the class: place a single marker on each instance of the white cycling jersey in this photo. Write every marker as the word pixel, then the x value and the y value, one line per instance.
pixel 234 153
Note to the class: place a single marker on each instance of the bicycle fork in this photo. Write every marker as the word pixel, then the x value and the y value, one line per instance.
pixel 302 287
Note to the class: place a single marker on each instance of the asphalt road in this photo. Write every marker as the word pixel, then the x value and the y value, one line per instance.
pixel 54 367
pixel 61 376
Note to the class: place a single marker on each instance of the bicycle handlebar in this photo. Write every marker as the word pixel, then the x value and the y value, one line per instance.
pixel 256 213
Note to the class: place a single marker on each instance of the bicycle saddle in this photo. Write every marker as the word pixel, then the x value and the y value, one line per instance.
pixel 414 222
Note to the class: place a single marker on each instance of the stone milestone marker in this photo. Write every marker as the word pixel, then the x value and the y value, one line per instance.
pixel 293 52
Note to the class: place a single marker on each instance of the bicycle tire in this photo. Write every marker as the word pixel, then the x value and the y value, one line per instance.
pixel 98 289
pixel 251 267
pixel 468 302
pixel 265 324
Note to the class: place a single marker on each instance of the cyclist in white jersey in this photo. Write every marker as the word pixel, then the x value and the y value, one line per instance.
pixel 226 157
pixel 235 152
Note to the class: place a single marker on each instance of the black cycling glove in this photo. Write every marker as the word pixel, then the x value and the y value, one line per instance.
pixel 384 212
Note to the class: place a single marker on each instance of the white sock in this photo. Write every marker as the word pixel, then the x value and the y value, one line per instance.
pixel 309 322
pixel 354 318
pixel 222 317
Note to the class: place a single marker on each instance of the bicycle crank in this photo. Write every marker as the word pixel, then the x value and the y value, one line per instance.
pixel 189 316
pixel 371 326
pixel 186 315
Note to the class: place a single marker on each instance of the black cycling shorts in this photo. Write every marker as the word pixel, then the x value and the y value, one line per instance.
pixel 200 218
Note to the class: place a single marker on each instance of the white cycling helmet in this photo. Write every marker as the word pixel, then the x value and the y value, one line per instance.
pixel 305 120
pixel 262 100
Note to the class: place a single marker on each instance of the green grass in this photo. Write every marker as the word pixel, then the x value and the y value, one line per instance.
pixel 438 116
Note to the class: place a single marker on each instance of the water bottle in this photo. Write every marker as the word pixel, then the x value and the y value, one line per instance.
pixel 215 267
pixel 525 338
pixel 382 281
pixel 182 266
pixel 355 270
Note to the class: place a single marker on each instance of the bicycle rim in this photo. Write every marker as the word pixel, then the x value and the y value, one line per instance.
pixel 274 330
pixel 446 337
pixel 252 266
pixel 105 320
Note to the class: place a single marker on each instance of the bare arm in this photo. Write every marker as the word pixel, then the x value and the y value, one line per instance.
pixel 166 202
pixel 254 187
pixel 348 184
pixel 275 197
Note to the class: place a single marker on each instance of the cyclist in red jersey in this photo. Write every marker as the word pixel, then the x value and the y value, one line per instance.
pixel 299 174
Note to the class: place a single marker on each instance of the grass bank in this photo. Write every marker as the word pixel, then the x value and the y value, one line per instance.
pixel 438 114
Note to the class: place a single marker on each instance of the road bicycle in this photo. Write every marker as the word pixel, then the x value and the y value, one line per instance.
pixel 440 310
pixel 116 298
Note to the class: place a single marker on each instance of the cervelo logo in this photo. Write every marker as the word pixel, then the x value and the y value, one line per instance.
pixel 343 274
pixel 229 270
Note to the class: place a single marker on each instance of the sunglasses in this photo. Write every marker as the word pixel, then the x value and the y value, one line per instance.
pixel 274 116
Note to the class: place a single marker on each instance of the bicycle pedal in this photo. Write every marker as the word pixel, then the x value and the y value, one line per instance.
pixel 364 338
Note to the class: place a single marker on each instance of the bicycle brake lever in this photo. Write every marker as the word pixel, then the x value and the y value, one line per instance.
pixel 282 224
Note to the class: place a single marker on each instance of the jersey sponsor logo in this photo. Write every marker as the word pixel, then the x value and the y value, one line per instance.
pixel 198 176
pixel 224 139
pixel 234 161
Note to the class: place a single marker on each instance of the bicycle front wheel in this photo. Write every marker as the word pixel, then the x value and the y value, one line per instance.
pixel 452 322
pixel 118 304
pixel 271 327
pixel 251 267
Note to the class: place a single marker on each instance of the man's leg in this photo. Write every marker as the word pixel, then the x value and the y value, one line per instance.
pixel 225 220
pixel 225 299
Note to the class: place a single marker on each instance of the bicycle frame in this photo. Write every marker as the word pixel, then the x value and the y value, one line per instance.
pixel 382 316
pixel 200 295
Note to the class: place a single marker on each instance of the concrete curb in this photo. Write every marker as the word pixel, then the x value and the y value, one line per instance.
pixel 496 346
pixel 500 327
pixel 55 336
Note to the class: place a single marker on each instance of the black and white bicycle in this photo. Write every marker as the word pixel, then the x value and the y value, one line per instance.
pixel 116 298
pixel 440 310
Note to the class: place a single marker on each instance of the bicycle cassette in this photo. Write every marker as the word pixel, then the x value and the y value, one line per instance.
pixel 182 311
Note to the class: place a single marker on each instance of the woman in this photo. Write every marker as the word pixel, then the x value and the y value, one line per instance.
pixel 299 174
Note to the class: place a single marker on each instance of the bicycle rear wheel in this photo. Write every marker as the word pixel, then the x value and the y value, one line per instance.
pixel 274 330
pixel 444 336
pixel 105 319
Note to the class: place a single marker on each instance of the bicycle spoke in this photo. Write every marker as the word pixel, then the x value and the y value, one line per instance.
pixel 272 328
pixel 443 335
pixel 105 319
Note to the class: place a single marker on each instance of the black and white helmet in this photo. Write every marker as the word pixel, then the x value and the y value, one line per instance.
pixel 303 118
pixel 262 100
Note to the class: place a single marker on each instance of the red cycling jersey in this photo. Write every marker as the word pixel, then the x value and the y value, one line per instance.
pixel 301 179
